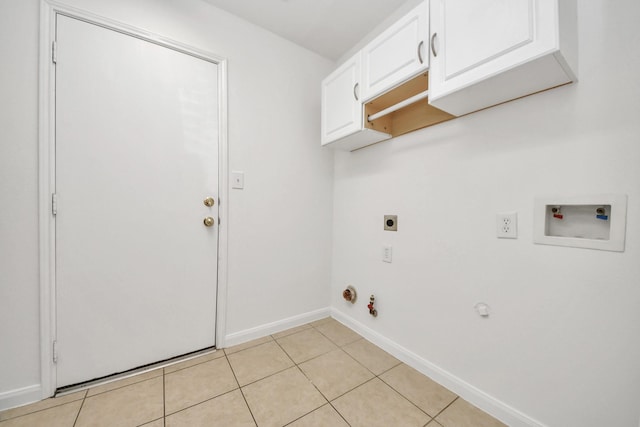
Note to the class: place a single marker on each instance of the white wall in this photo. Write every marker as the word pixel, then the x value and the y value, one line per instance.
pixel 405 8
pixel 279 230
pixel 19 290
pixel 562 344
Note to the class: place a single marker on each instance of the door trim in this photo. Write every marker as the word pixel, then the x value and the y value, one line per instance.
pixel 47 184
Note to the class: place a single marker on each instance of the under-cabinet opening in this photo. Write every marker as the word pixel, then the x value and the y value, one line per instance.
pixel 407 119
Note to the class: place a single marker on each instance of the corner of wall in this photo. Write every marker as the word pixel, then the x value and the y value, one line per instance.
pixel 274 327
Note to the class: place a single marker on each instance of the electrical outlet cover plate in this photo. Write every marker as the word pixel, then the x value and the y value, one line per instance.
pixel 507 225
pixel 391 222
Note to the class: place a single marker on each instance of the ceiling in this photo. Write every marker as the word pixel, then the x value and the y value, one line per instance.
pixel 327 27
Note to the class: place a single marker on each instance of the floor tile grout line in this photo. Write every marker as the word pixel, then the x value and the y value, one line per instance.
pixel 204 401
pixel 349 355
pixel 378 376
pixel 297 365
pixel 401 394
pixel 280 347
pixel 251 346
pixel 149 422
pixel 317 409
pixel 362 364
pixel 307 360
pixel 445 408
pixel 285 352
pixel 329 402
pixel 248 407
pixel 339 413
pixel 393 367
pixel 294 332
pixel 409 400
pixel 122 386
pixel 327 399
pixel 350 390
pixel 313 384
pixel 321 321
pixel 268 376
pixel 80 409
pixel 317 389
pixel 39 410
pixel 304 361
pixel 43 409
pixel 240 388
pixel 195 364
pixel 333 341
pixel 211 398
pixel 433 418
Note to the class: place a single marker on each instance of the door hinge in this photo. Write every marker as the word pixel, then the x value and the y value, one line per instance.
pixel 54 52
pixel 54 204
pixel 55 352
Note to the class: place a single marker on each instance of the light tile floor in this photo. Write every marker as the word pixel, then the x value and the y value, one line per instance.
pixel 317 375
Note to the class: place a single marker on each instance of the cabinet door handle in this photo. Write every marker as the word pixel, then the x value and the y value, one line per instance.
pixel 355 91
pixel 433 44
pixel 420 51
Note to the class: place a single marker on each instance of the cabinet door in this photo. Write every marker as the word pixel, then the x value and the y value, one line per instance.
pixel 396 54
pixel 341 107
pixel 474 40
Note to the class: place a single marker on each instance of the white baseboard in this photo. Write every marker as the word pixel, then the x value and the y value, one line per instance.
pixel 274 327
pixel 496 408
pixel 22 396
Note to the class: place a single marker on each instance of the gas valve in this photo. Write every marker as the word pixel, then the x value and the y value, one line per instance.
pixel 372 310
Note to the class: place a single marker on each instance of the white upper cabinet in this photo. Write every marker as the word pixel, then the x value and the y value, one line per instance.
pixel 484 52
pixel 342 113
pixel 341 107
pixel 398 53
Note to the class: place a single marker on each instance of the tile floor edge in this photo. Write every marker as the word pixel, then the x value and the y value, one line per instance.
pixel 487 403
pixel 271 328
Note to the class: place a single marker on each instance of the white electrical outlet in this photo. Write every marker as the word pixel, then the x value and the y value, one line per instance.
pixel 386 253
pixel 507 225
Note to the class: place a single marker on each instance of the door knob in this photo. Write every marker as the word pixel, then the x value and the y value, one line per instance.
pixel 209 221
pixel 209 201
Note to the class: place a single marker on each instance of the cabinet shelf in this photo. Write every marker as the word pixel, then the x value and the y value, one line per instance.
pixel 412 117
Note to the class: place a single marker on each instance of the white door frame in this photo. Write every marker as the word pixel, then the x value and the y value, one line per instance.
pixel 48 11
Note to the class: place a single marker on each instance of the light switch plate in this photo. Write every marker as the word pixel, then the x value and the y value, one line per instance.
pixel 387 254
pixel 237 180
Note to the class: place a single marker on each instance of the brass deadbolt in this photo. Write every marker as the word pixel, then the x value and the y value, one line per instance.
pixel 209 201
pixel 209 221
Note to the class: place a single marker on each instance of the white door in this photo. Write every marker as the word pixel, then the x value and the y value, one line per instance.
pixel 136 155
